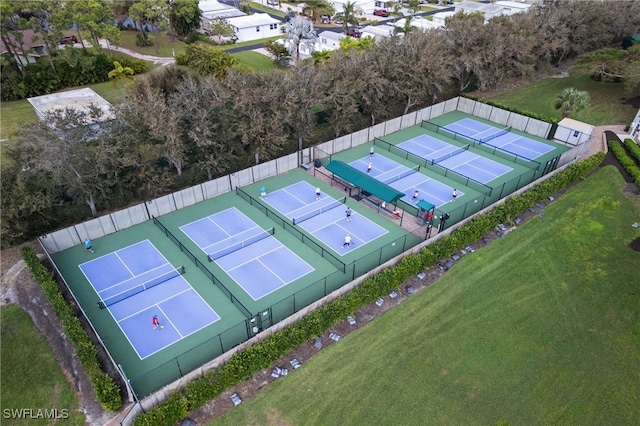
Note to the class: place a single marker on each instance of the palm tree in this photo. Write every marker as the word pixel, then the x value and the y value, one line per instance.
pixel 315 8
pixel 350 17
pixel 571 100
pixel 120 73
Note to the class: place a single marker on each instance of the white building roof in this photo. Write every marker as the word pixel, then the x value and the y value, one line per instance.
pixel 255 20
pixel 423 24
pixel 78 99
pixel 522 7
pixel 378 31
pixel 331 35
pixel 212 9
pixel 486 8
pixel 440 17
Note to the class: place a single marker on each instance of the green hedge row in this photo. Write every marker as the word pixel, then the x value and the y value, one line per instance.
pixel 633 149
pixel 627 162
pixel 107 390
pixel 88 66
pixel 244 364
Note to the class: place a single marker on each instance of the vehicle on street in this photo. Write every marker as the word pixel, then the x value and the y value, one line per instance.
pixel 69 39
pixel 354 32
pixel 381 12
pixel 325 19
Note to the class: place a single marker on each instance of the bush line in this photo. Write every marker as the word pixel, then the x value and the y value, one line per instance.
pixel 243 365
pixel 106 389
pixel 625 160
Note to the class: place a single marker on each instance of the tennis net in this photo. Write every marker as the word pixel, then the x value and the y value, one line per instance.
pixel 241 244
pixel 316 212
pixel 142 287
pixel 495 135
pixel 399 176
pixel 449 154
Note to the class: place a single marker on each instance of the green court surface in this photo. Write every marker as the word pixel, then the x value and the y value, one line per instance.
pixel 242 316
pixel 235 326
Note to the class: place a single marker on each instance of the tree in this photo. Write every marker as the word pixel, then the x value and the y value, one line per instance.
pixel 350 11
pixel 207 61
pixel 209 131
pixel 219 27
pixel 315 8
pixel 74 151
pixel 571 100
pixel 184 16
pixel 91 16
pixel 279 52
pixel 150 12
pixel 120 73
pixel 300 33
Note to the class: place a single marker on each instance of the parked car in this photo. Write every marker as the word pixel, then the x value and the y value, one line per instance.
pixel 354 32
pixel 272 2
pixel 69 39
pixel 325 19
pixel 338 19
pixel 381 12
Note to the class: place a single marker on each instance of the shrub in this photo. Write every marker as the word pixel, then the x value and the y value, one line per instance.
pixel 107 390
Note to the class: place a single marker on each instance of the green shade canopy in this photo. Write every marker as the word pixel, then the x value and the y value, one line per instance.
pixel 425 205
pixel 364 182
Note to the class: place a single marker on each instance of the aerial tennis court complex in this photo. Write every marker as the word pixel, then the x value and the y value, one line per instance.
pixel 218 263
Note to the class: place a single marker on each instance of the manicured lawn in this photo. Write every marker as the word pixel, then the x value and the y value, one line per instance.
pixel 31 377
pixel 609 103
pixel 165 45
pixel 540 327
pixel 256 61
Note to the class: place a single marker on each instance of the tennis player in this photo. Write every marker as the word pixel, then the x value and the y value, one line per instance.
pixel 263 192
pixel 415 196
pixel 317 193
pixel 371 153
pixel 347 241
pixel 348 212
pixel 89 245
pixel 454 195
pixel 369 168
pixel 156 323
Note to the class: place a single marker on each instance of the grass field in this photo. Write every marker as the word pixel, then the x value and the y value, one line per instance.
pixel 31 377
pixel 540 327
pixel 256 61
pixel 609 103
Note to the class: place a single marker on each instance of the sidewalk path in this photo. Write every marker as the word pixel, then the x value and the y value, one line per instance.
pixel 155 59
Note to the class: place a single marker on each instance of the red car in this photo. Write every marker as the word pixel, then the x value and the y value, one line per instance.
pixel 70 39
pixel 352 32
pixel 381 12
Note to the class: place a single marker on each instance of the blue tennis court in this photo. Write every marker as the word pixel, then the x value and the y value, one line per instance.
pixel 458 159
pixel 430 148
pixel 137 283
pixel 500 138
pixel 325 218
pixel 256 261
pixel 407 180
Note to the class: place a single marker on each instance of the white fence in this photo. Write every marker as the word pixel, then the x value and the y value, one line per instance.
pixel 116 221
